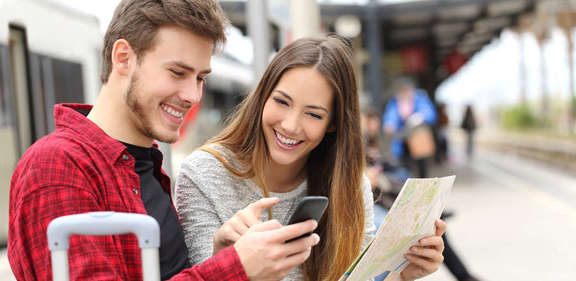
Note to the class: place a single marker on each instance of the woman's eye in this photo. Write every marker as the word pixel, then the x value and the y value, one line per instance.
pixel 314 115
pixel 280 101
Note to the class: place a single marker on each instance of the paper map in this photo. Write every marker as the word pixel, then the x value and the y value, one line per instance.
pixel 412 217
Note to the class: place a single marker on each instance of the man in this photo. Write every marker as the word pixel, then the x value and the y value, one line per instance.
pixel 156 58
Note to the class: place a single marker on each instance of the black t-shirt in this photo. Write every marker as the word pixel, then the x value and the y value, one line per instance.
pixel 173 250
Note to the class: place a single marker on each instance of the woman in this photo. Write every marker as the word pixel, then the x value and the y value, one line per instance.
pixel 297 134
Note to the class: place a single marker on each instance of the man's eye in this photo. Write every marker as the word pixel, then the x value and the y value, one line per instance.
pixel 177 73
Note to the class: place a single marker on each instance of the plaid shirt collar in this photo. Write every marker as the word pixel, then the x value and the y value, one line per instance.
pixel 73 117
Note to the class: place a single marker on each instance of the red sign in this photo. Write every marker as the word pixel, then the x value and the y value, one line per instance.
pixel 414 59
pixel 454 61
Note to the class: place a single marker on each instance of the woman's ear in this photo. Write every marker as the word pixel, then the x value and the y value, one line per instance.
pixel 122 57
pixel 331 128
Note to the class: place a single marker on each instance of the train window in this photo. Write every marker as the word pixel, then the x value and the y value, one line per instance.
pixel 39 96
pixel 68 81
pixel 54 81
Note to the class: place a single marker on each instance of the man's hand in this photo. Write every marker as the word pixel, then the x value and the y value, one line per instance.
pixel 239 224
pixel 264 253
pixel 427 256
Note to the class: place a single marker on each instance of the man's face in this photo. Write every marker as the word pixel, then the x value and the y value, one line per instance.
pixel 169 79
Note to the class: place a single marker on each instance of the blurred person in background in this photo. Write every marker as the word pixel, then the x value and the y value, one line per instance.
pixel 383 177
pixel 408 116
pixel 469 126
pixel 156 57
pixel 297 134
pixel 441 134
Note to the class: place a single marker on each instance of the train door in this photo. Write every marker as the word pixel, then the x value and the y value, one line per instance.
pixel 20 91
pixel 16 128
pixel 8 148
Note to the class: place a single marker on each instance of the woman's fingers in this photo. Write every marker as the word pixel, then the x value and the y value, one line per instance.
pixel 426 265
pixel 431 254
pixel 434 242
pixel 231 237
pixel 251 214
pixel 440 227
pixel 238 225
pixel 248 217
pixel 426 257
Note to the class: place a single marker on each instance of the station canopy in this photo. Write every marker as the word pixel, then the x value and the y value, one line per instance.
pixel 437 28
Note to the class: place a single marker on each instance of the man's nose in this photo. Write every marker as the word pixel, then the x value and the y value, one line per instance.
pixel 192 93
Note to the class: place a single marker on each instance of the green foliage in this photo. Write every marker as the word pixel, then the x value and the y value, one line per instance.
pixel 519 117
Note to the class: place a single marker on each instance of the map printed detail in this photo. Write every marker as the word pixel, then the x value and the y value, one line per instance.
pixel 412 217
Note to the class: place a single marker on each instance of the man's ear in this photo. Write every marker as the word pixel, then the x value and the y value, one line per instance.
pixel 122 57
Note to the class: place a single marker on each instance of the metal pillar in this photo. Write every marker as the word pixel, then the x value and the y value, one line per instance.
pixel 572 106
pixel 258 29
pixel 567 22
pixel 374 48
pixel 543 74
pixel 522 66
pixel 304 18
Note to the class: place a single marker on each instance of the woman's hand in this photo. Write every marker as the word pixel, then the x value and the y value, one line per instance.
pixel 239 224
pixel 426 257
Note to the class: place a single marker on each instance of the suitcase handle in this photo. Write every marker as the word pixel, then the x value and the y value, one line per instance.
pixel 104 223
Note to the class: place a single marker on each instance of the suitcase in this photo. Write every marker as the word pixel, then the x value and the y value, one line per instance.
pixel 104 223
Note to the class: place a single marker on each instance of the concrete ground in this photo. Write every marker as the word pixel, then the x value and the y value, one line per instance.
pixel 515 219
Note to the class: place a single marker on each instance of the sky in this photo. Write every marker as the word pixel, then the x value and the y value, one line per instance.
pixel 103 9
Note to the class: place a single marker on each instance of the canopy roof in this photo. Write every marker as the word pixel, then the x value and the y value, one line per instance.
pixel 441 25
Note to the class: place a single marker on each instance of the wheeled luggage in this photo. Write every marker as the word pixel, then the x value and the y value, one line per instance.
pixel 104 223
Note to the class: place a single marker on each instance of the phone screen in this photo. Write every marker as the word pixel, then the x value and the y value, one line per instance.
pixel 310 207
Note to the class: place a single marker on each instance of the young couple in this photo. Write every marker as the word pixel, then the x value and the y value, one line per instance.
pixel 297 134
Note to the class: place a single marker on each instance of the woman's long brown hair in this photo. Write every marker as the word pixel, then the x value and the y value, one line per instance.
pixel 335 165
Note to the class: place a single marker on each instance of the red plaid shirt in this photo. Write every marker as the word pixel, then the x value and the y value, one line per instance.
pixel 77 169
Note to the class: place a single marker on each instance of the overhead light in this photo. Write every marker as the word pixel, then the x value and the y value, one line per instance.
pixel 348 26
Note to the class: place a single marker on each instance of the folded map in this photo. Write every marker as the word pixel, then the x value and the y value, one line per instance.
pixel 412 217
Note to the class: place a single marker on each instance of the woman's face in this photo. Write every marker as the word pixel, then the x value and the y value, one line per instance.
pixel 297 115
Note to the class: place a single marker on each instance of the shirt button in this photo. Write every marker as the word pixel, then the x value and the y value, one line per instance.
pixel 135 190
pixel 125 157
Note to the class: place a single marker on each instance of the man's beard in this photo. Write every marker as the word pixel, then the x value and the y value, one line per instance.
pixel 142 121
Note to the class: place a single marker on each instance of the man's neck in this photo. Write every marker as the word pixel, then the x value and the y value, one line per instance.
pixel 111 114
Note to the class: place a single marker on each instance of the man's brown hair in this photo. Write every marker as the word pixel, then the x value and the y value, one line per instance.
pixel 137 21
